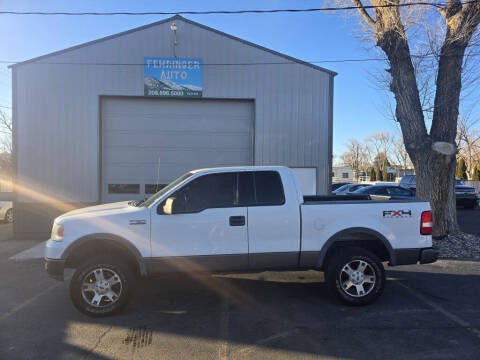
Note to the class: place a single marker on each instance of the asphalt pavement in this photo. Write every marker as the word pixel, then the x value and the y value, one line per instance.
pixel 428 311
pixel 469 220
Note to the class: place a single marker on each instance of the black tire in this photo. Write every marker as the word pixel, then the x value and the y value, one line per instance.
pixel 86 272
pixel 336 276
pixel 9 216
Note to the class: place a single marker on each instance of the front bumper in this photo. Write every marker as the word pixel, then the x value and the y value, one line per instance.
pixel 55 267
pixel 413 256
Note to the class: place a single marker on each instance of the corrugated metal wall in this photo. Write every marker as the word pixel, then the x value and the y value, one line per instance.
pixel 56 106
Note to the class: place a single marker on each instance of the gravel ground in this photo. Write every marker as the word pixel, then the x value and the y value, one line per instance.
pixel 460 246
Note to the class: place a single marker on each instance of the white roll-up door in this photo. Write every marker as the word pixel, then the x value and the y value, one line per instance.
pixel 149 142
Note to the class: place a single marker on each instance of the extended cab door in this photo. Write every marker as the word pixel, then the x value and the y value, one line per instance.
pixel 273 219
pixel 209 232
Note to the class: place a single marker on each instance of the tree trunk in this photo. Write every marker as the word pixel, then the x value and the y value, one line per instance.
pixel 435 171
pixel 436 183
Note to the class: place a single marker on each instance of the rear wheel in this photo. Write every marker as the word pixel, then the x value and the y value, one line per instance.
pixel 102 287
pixel 355 276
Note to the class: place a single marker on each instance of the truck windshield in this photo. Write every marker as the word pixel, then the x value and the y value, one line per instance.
pixel 167 188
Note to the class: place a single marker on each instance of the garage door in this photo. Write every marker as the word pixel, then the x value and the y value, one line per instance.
pixel 149 142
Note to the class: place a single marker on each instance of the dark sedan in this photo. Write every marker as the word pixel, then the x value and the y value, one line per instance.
pixel 393 192
pixel 466 196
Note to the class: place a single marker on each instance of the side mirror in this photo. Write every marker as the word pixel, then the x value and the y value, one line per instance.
pixel 168 206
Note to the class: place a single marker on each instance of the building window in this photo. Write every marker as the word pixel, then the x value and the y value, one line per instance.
pixel 124 188
pixel 153 188
pixel 344 175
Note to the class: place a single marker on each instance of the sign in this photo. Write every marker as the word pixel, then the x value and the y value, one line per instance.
pixel 172 77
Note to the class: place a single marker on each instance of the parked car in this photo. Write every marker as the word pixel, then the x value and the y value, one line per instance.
pixel 394 192
pixel 348 188
pixel 6 211
pixel 236 219
pixel 465 196
pixel 336 185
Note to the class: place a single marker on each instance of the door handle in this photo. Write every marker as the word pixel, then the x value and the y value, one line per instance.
pixel 237 220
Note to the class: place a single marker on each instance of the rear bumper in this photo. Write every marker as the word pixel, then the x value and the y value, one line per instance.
pixel 54 268
pixel 413 256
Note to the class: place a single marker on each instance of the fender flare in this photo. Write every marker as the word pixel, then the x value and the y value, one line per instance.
pixel 116 241
pixel 337 236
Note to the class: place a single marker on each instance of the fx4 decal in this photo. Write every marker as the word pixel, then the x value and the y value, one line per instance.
pixel 397 214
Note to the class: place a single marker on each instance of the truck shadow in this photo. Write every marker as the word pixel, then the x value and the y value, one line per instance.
pixel 288 314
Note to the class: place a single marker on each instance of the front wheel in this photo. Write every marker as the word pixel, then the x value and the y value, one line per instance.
pixel 101 287
pixel 355 276
pixel 9 216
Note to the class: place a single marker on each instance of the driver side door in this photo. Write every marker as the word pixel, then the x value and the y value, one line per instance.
pixel 207 232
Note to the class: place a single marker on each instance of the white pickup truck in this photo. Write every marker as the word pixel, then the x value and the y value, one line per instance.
pixel 236 219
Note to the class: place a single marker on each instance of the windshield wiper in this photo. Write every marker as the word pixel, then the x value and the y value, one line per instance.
pixel 133 203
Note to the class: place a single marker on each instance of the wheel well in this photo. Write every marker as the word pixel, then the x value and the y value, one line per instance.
pixel 99 247
pixel 358 239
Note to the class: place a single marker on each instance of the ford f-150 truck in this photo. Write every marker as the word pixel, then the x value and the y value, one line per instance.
pixel 236 219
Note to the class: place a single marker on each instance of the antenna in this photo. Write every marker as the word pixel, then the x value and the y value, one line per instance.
pixel 158 175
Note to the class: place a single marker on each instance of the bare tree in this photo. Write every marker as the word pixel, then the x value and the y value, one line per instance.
pixel 379 143
pixel 355 156
pixel 6 132
pixel 430 152
pixel 6 166
pixel 468 143
pixel 401 155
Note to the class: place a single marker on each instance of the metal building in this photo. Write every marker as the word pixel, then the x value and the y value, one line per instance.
pixel 116 118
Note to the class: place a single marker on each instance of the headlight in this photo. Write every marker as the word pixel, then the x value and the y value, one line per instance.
pixel 57 232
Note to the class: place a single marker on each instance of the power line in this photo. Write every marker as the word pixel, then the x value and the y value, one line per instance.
pixel 204 64
pixel 228 12
pixel 287 62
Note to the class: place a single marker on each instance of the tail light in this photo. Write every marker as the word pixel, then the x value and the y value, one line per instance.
pixel 426 223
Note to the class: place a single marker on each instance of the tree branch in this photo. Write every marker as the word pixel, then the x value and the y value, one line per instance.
pixel 366 16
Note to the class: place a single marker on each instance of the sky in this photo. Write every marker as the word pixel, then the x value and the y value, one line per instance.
pixel 359 106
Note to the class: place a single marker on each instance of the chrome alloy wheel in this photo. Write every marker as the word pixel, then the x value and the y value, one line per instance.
pixel 357 278
pixel 101 287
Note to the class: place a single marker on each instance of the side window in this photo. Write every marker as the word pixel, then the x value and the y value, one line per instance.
pixel 395 191
pixel 208 191
pixel 268 188
pixel 380 191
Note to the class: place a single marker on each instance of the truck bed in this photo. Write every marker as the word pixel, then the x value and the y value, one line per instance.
pixel 322 198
